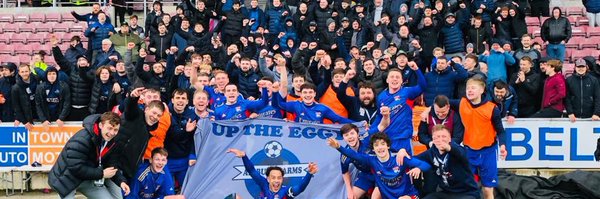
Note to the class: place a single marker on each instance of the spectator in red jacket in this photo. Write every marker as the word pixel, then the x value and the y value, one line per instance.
pixel 554 91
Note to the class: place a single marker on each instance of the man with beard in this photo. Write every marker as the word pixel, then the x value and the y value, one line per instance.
pixel 92 17
pixel 361 108
pixel 505 98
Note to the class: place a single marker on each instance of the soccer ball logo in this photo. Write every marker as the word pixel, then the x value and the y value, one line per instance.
pixel 273 149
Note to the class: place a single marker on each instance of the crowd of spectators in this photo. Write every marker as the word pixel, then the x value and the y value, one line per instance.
pixel 282 60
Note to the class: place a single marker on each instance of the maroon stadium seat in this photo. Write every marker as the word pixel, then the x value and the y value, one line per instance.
pixel 67 17
pixel 568 69
pixel 570 11
pixel 585 52
pixel 573 20
pixel 592 43
pixel 61 27
pixel 578 31
pixel 23 49
pixel 593 31
pixel 27 27
pixel 24 59
pixel 10 58
pixel 6 18
pixel 18 38
pixel 574 42
pixel 583 21
pixel 37 17
pixel 53 17
pixel 21 18
pixel 5 38
pixel 64 37
pixel 11 27
pixel 7 49
pixel 78 27
pixel 532 21
pixel 39 37
pixel 44 27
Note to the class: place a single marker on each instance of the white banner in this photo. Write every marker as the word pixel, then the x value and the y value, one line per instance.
pixel 551 143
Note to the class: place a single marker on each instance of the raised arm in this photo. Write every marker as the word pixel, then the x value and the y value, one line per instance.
pixel 415 91
pixel 329 114
pixel 262 65
pixel 256 105
pixel 361 158
pixel 295 190
pixel 260 180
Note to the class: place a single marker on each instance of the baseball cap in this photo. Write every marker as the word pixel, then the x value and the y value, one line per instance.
pixel 580 63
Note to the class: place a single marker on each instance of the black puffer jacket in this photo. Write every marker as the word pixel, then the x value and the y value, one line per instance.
pixel 80 89
pixel 321 16
pixel 113 98
pixel 21 95
pixel 528 92
pixel 156 81
pixel 6 109
pixel 133 137
pixel 197 16
pixel 583 93
pixel 233 24
pixel 64 105
pixel 78 161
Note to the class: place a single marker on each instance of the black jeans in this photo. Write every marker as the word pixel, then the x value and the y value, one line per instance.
pixel 77 114
pixel 548 113
pixel 540 8
pixel 444 195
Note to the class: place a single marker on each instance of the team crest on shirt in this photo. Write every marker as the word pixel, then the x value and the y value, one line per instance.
pixel 396 169
pixel 238 108
pixel 397 97
pixel 273 154
pixel 318 114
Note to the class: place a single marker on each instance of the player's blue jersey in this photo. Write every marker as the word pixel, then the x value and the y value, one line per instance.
pixel 284 193
pixel 314 113
pixel 271 111
pixel 150 185
pixel 238 110
pixel 401 126
pixel 391 178
pixel 211 113
pixel 345 161
pixel 216 99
